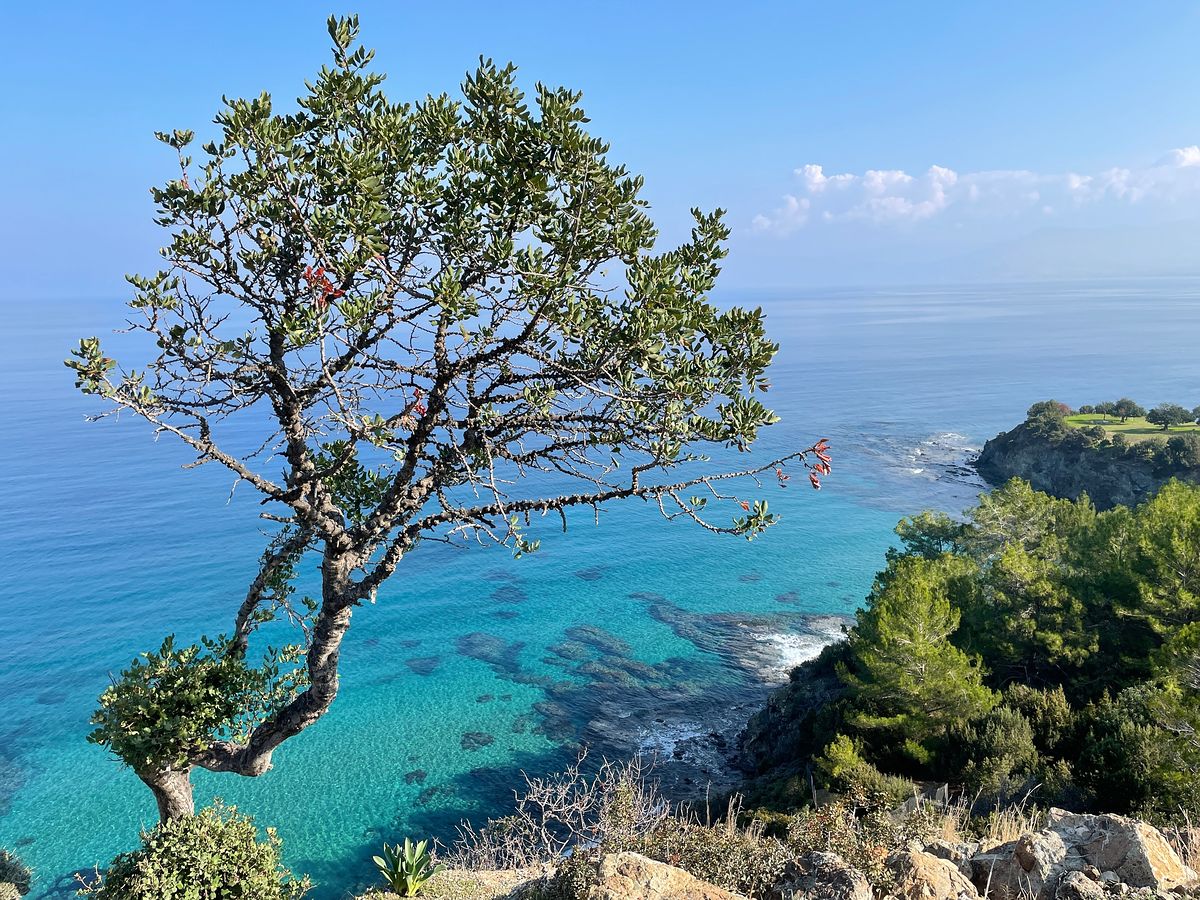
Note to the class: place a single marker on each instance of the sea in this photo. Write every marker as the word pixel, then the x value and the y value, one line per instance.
pixel 625 634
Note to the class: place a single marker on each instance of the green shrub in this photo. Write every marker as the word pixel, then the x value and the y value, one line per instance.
pixel 1000 755
pixel 849 772
pixel 213 855
pixel 572 879
pixel 861 830
pixel 405 868
pixel 14 872
pixel 1050 716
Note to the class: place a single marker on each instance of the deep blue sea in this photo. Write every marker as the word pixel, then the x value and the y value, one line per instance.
pixel 633 634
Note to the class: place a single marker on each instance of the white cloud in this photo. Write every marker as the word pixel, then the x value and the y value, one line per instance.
pixel 885 197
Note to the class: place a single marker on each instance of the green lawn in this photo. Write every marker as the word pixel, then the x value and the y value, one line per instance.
pixel 1136 429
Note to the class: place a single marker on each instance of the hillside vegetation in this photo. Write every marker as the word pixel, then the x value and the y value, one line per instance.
pixel 1041 648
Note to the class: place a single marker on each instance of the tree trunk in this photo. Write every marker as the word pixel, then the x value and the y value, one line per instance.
pixel 172 789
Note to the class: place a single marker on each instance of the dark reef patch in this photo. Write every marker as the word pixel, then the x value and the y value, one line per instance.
pixel 417 776
pixel 600 640
pixel 505 614
pixel 750 577
pixel 789 598
pixel 423 665
pixel 509 593
pixel 476 740
pixel 591 573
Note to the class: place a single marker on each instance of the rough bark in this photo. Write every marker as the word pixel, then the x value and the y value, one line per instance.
pixel 172 789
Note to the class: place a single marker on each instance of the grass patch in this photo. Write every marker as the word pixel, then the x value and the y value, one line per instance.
pixel 1135 428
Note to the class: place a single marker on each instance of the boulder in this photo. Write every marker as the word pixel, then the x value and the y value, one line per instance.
pixel 1078 886
pixel 1033 866
pixel 923 876
pixel 957 852
pixel 822 876
pixel 631 876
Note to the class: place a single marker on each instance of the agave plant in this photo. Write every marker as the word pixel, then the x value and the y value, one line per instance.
pixel 405 868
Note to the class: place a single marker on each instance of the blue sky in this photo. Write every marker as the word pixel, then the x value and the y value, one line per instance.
pixel 1051 125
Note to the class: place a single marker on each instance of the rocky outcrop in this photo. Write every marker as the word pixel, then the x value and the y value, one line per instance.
pixel 1104 850
pixel 631 876
pixel 822 876
pixel 783 733
pixel 923 876
pixel 1068 463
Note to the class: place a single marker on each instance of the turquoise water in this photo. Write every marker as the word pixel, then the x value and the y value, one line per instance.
pixel 473 666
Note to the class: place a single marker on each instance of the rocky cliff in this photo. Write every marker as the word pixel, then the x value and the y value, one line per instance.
pixel 1068 463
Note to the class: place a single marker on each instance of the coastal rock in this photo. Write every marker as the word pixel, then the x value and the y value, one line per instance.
pixel 631 876
pixel 1126 852
pixel 781 733
pixel 958 853
pixel 923 876
pixel 822 876
pixel 1072 464
pixel 9 891
pixel 1077 886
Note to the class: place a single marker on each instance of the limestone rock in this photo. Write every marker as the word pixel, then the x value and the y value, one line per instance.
pixel 923 876
pixel 958 853
pixel 822 876
pixel 1077 886
pixel 631 876
pixel 1136 855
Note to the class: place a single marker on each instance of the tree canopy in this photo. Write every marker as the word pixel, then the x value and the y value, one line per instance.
pixel 436 320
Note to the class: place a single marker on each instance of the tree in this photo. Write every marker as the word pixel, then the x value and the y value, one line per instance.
pixel 1126 409
pixel 452 317
pixel 905 674
pixel 1196 415
pixel 1166 541
pixel 1047 409
pixel 1168 414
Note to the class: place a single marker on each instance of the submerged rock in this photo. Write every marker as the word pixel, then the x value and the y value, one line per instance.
pixel 423 665
pixel 476 740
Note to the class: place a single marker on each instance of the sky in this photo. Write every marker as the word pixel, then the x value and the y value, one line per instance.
pixel 851 143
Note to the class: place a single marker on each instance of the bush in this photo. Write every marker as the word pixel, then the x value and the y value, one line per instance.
pixel 862 831
pixel 214 855
pixel 1050 715
pixel 999 754
pixel 850 772
pixel 1181 452
pixel 14 872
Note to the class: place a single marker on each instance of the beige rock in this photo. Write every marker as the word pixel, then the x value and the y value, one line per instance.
pixel 1032 866
pixel 631 876
pixel 957 852
pixel 923 876
pixel 1137 852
